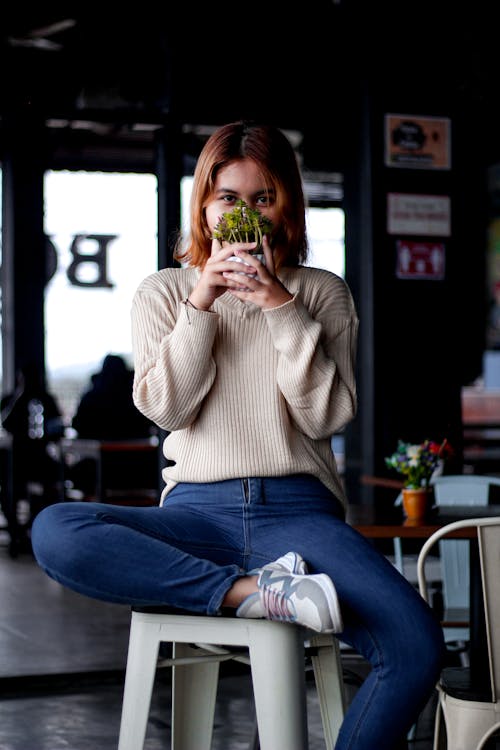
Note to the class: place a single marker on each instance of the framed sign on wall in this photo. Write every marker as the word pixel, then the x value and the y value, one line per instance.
pixel 415 142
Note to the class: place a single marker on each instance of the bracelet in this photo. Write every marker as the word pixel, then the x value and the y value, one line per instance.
pixel 187 303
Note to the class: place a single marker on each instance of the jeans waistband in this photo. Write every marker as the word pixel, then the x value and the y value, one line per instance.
pixel 295 489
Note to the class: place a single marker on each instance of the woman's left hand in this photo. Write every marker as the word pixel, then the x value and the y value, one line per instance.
pixel 263 288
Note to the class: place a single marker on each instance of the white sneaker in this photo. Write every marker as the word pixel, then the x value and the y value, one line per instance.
pixel 252 606
pixel 287 596
pixel 292 562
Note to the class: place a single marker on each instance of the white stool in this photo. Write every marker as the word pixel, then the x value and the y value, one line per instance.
pixel 276 654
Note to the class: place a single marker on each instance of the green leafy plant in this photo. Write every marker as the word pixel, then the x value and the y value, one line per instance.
pixel 242 224
pixel 418 462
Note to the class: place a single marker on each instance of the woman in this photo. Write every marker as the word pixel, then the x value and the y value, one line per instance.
pixel 252 374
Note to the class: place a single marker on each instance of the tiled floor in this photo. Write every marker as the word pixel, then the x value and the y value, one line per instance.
pixel 62 659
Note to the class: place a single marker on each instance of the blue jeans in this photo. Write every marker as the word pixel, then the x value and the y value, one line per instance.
pixel 189 552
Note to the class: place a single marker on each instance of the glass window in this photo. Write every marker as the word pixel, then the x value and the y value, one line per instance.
pixel 325 229
pixel 103 233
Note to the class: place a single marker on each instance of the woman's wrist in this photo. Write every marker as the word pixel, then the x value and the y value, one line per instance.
pixel 199 299
pixel 194 305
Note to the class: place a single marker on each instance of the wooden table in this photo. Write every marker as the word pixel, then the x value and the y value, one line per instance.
pixel 73 450
pixel 391 524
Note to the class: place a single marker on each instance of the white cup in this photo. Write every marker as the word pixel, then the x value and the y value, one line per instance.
pixel 259 256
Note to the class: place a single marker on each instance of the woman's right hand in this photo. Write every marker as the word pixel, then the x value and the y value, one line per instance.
pixel 212 283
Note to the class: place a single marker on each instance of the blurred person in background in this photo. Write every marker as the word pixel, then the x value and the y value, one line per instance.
pixel 32 416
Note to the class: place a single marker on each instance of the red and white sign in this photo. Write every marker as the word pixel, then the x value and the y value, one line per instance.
pixel 420 260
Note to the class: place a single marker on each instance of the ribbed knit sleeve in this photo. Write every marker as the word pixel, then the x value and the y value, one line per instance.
pixel 174 367
pixel 317 354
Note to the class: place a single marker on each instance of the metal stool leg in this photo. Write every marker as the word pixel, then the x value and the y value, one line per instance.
pixel 277 664
pixel 327 668
pixel 141 670
pixel 194 690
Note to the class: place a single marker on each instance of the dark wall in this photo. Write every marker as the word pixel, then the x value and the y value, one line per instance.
pixel 420 340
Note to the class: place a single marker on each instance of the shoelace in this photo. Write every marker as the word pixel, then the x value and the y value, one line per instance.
pixel 275 603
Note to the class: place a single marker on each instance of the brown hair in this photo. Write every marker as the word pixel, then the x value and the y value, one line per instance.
pixel 270 149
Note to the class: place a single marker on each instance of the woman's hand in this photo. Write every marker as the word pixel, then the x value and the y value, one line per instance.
pixel 213 282
pixel 263 288
pixel 257 283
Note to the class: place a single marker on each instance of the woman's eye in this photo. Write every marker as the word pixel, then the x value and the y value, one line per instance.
pixel 229 199
pixel 264 200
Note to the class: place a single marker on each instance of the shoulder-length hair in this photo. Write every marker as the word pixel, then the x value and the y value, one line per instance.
pixel 271 150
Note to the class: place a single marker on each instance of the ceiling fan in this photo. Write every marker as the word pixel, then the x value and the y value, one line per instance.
pixel 39 38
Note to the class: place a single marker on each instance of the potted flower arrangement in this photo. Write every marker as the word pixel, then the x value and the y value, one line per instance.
pixel 417 463
pixel 243 224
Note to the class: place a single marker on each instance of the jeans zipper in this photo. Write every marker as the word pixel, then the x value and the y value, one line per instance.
pixel 246 490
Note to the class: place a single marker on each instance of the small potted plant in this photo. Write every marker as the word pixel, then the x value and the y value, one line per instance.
pixel 417 463
pixel 243 224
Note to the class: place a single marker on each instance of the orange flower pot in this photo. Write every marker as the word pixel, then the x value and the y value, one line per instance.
pixel 416 503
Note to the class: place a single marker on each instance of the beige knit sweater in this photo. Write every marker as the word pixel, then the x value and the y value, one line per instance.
pixel 245 392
